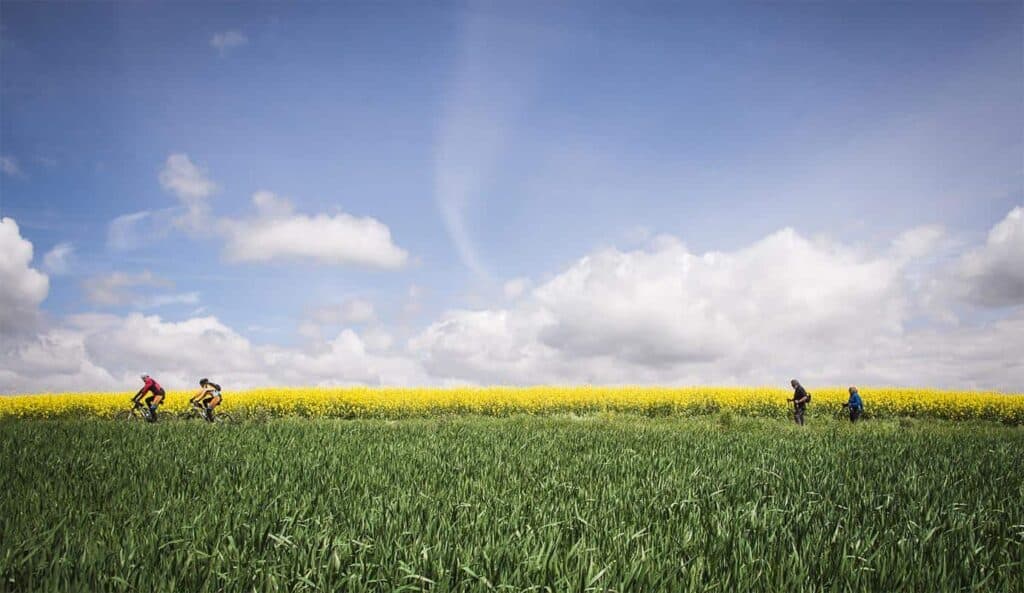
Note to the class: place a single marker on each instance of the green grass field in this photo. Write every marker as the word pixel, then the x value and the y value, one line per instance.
pixel 604 503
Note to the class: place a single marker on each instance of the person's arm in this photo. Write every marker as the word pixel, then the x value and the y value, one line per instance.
pixel 198 396
pixel 148 385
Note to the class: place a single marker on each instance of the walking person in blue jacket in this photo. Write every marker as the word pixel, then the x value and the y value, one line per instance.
pixel 855 404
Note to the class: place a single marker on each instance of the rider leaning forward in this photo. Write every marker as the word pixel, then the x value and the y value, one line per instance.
pixel 153 401
pixel 209 394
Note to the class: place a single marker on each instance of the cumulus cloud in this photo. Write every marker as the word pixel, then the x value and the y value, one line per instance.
pixel 664 312
pixel 277 232
pixel 97 351
pixel 57 260
pixel 9 166
pixel 191 185
pixel 993 275
pixel 780 307
pixel 227 40
pixel 22 288
pixel 918 242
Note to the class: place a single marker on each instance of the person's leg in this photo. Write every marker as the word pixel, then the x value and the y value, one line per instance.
pixel 208 409
pixel 151 409
pixel 214 402
pixel 854 414
pixel 800 415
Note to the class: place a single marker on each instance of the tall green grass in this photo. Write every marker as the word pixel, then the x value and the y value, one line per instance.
pixel 484 504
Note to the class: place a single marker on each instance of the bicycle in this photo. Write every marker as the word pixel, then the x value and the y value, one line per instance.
pixel 138 411
pixel 198 410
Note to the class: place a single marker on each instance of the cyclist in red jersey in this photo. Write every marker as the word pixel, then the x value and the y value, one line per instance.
pixel 153 401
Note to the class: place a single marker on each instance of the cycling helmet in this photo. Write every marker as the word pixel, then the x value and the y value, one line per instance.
pixel 203 382
pixel 144 376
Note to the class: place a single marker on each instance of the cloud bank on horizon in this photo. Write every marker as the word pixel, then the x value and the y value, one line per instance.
pixel 512 196
pixel 656 314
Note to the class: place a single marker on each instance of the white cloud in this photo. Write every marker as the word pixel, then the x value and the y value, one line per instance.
pixel 279 233
pixel 350 311
pixel 993 275
pixel 783 306
pixel 128 231
pixel 191 185
pixel 227 40
pixel 336 316
pixel 120 288
pixel 9 166
pixel 664 312
pixel 918 242
pixel 114 288
pixel 515 288
pixel 377 339
pixel 108 351
pixel 413 301
pixel 162 300
pixel 22 288
pixel 57 260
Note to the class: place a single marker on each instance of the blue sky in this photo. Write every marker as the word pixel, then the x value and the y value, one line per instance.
pixel 504 148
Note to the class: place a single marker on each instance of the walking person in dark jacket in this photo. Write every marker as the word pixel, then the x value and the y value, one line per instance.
pixel 799 399
pixel 855 404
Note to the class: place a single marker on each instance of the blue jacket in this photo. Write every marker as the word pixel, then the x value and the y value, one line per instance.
pixel 855 401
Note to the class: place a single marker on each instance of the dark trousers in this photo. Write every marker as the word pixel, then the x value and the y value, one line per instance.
pixel 798 414
pixel 854 414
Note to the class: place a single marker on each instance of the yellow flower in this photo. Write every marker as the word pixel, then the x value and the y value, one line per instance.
pixel 365 402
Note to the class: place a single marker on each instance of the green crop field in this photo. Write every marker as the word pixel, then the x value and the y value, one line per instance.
pixel 601 503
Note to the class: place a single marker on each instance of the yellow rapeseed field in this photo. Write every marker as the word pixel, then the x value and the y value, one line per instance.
pixel 365 402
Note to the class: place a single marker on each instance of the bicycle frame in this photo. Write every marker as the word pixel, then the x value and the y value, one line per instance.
pixel 139 410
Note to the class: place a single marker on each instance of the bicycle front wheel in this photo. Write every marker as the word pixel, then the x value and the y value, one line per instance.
pixel 127 415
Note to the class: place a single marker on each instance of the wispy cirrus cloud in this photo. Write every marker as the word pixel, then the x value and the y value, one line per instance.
pixel 228 40
pixel 9 166
pixel 57 260
pixel 495 75
pixel 192 186
pixel 140 291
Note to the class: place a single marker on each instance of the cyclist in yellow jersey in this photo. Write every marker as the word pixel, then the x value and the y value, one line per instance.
pixel 210 395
